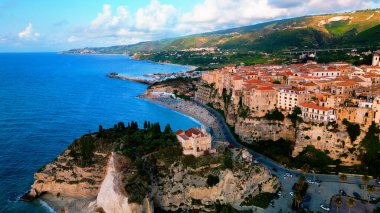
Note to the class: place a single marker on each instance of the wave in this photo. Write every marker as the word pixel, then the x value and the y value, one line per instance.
pixel 46 206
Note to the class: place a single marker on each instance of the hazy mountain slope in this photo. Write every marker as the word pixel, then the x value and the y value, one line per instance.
pixel 319 31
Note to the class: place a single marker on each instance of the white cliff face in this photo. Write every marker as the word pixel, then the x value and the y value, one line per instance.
pixel 111 197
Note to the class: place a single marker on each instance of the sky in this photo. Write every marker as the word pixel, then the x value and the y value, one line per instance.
pixel 46 25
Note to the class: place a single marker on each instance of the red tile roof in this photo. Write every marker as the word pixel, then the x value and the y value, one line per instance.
pixel 265 88
pixel 346 83
pixel 179 132
pixel 192 131
pixel 314 106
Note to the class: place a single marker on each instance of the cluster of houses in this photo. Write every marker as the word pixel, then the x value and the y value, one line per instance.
pixel 323 92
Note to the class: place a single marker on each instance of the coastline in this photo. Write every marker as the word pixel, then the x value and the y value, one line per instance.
pixel 68 204
pixel 191 67
pixel 191 109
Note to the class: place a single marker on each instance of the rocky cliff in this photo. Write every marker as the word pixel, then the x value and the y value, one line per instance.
pixel 183 188
pixel 64 177
pixel 90 177
pixel 253 126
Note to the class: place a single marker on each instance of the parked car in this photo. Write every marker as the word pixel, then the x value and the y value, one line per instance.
pixel 279 193
pixel 357 195
pixel 307 198
pixel 325 207
pixel 291 193
pixel 342 192
pixel 378 181
pixel 294 186
pixel 288 175
pixel 318 181
pixel 372 198
pixel 310 181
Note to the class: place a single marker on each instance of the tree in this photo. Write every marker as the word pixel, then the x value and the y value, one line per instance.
pixel 370 154
pixel 370 190
pixel 353 129
pixel 305 168
pixel 145 125
pixel 212 180
pixel 168 129
pixel 275 115
pixel 120 126
pixel 342 178
pixel 298 199
pixel 365 179
pixel 338 202
pixel 86 150
pixel 295 118
pixel 350 204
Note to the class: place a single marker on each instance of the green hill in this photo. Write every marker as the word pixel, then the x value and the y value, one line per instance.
pixel 321 31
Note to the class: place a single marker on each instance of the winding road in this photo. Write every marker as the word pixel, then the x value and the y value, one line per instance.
pixel 272 165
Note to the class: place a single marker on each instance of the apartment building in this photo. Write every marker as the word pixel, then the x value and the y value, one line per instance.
pixel 287 99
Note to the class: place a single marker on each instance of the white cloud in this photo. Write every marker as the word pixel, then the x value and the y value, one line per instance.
pixel 28 34
pixel 103 17
pixel 216 14
pixel 220 14
pixel 157 20
pixel 2 40
pixel 72 39
pixel 155 16
pixel 106 20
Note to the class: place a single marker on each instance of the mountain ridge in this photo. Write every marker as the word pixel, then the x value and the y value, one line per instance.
pixel 315 31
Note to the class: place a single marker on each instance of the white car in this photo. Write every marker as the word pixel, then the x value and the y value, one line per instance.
pixel 291 193
pixel 310 181
pixel 279 193
pixel 325 207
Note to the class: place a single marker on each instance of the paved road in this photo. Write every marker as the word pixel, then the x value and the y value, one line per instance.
pixel 351 179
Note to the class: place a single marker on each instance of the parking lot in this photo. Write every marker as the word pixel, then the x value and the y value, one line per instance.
pixel 321 193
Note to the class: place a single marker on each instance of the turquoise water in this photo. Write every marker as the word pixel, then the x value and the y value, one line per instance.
pixel 48 99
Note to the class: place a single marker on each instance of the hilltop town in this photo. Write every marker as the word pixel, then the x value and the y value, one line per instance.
pixel 325 96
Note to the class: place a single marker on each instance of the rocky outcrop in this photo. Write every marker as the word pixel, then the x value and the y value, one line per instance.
pixel 63 178
pixel 90 177
pixel 334 141
pixel 182 188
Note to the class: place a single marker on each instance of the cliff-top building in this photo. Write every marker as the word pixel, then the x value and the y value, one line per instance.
pixel 194 141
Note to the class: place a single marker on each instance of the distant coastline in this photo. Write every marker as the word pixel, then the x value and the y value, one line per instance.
pixel 191 67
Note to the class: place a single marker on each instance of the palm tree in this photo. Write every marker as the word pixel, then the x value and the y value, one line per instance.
pixel 365 180
pixel 370 189
pixel 350 204
pixel 298 199
pixel 342 178
pixel 338 203
pixel 305 168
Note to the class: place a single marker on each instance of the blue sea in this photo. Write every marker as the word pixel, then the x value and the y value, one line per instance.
pixel 47 100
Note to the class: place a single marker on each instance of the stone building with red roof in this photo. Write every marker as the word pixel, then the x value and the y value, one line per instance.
pixel 194 141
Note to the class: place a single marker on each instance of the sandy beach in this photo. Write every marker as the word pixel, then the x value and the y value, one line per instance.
pixel 193 110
